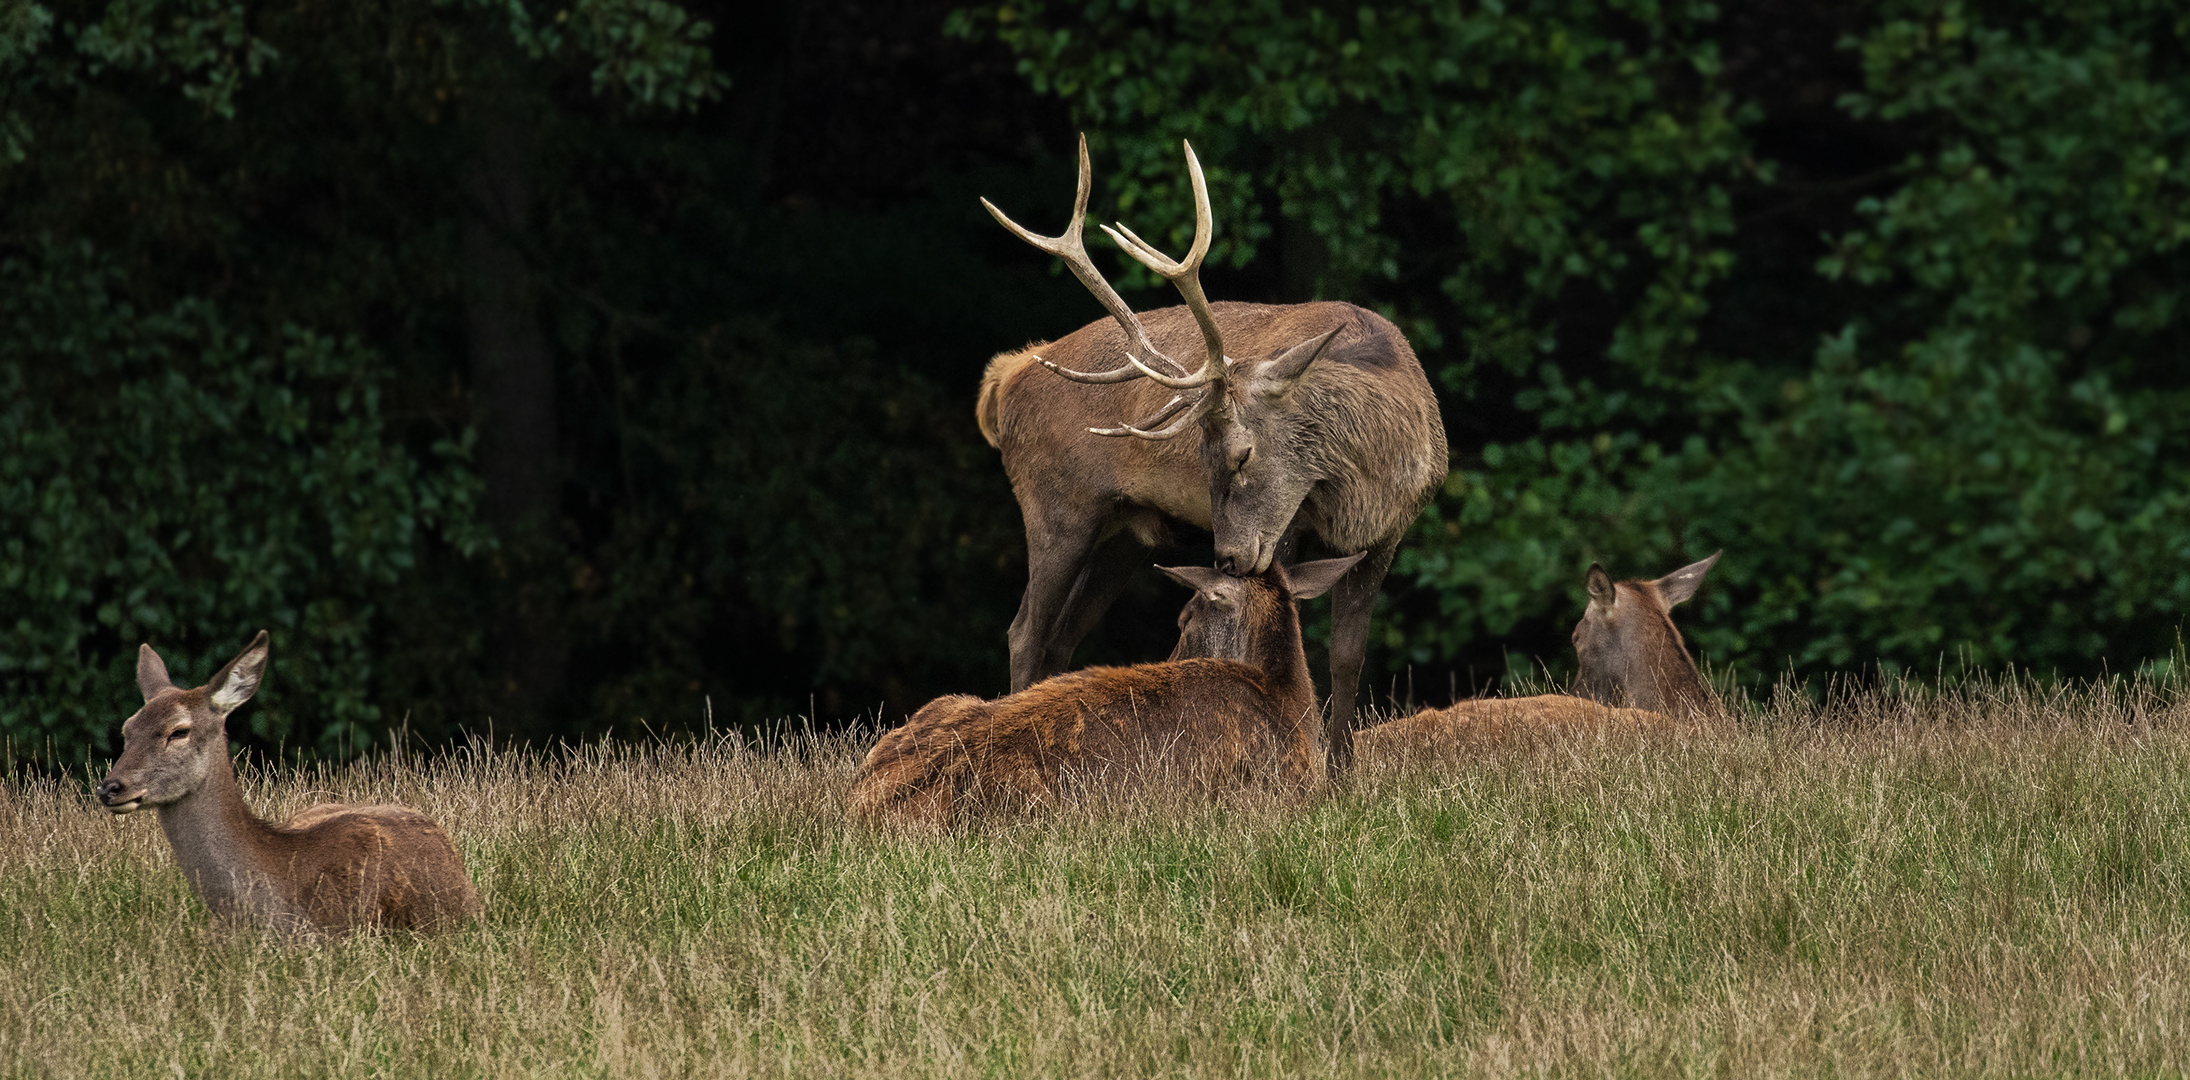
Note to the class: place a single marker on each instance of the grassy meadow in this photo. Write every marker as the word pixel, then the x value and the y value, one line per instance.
pixel 1989 880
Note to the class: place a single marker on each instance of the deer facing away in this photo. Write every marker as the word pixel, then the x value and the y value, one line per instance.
pixel 1322 427
pixel 1636 674
pixel 1217 721
pixel 331 868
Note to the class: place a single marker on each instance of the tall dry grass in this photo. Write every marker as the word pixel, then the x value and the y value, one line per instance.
pixel 1988 880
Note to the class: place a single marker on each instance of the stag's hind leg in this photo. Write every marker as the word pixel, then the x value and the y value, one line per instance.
pixel 1070 584
pixel 1112 565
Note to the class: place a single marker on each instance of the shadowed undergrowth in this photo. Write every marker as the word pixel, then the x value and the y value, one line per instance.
pixel 1986 880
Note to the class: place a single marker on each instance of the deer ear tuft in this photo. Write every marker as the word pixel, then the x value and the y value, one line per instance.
pixel 234 684
pixel 1683 583
pixel 1197 578
pixel 1601 591
pixel 151 673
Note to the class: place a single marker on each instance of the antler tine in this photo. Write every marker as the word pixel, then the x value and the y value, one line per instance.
pixel 1204 231
pixel 1185 274
pixel 1066 245
pixel 1069 247
pixel 1133 369
pixel 1170 409
pixel 1201 406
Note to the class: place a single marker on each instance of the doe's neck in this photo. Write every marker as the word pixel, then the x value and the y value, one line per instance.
pixel 220 844
pixel 1276 648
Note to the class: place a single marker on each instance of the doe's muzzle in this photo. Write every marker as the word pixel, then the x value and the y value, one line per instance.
pixel 114 796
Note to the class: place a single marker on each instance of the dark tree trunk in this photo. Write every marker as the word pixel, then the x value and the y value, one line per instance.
pixel 513 386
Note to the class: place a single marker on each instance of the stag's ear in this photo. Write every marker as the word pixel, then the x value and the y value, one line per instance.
pixel 1601 591
pixel 151 672
pixel 1683 583
pixel 1276 378
pixel 1313 579
pixel 233 685
pixel 1197 578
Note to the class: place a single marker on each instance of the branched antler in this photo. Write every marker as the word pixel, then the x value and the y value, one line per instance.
pixel 1184 274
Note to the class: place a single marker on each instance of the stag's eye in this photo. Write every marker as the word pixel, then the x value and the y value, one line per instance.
pixel 1240 456
pixel 179 734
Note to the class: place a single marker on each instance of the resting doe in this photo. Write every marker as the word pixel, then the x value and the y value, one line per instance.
pixel 331 868
pixel 1636 674
pixel 1217 721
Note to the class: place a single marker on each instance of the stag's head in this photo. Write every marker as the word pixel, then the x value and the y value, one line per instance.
pixel 172 744
pixel 1258 462
pixel 1631 654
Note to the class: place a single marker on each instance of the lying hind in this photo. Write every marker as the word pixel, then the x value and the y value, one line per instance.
pixel 1217 722
pixel 1636 676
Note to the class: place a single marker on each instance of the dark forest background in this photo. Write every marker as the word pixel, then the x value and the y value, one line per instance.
pixel 559 369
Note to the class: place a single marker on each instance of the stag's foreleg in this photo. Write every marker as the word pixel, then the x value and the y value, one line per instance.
pixel 1072 579
pixel 1352 601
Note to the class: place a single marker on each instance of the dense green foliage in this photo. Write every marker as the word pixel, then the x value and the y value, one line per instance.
pixel 237 292
pixel 168 477
pixel 1884 301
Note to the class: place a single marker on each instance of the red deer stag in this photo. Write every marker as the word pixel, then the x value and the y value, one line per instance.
pixel 1215 721
pixel 1323 426
pixel 1635 674
pixel 329 868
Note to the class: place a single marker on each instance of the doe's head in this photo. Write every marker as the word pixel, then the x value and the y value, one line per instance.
pixel 1630 652
pixel 171 745
pixel 1228 616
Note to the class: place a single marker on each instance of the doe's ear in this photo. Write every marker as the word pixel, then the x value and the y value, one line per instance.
pixel 1683 583
pixel 1197 578
pixel 151 672
pixel 1312 579
pixel 1601 591
pixel 234 684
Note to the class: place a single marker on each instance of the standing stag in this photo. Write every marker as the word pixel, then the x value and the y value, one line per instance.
pixel 1636 674
pixel 330 868
pixel 1213 722
pixel 1323 426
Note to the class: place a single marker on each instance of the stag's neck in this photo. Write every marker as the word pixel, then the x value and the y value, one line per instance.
pixel 230 856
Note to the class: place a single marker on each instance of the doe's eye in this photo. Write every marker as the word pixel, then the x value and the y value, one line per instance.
pixel 178 735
